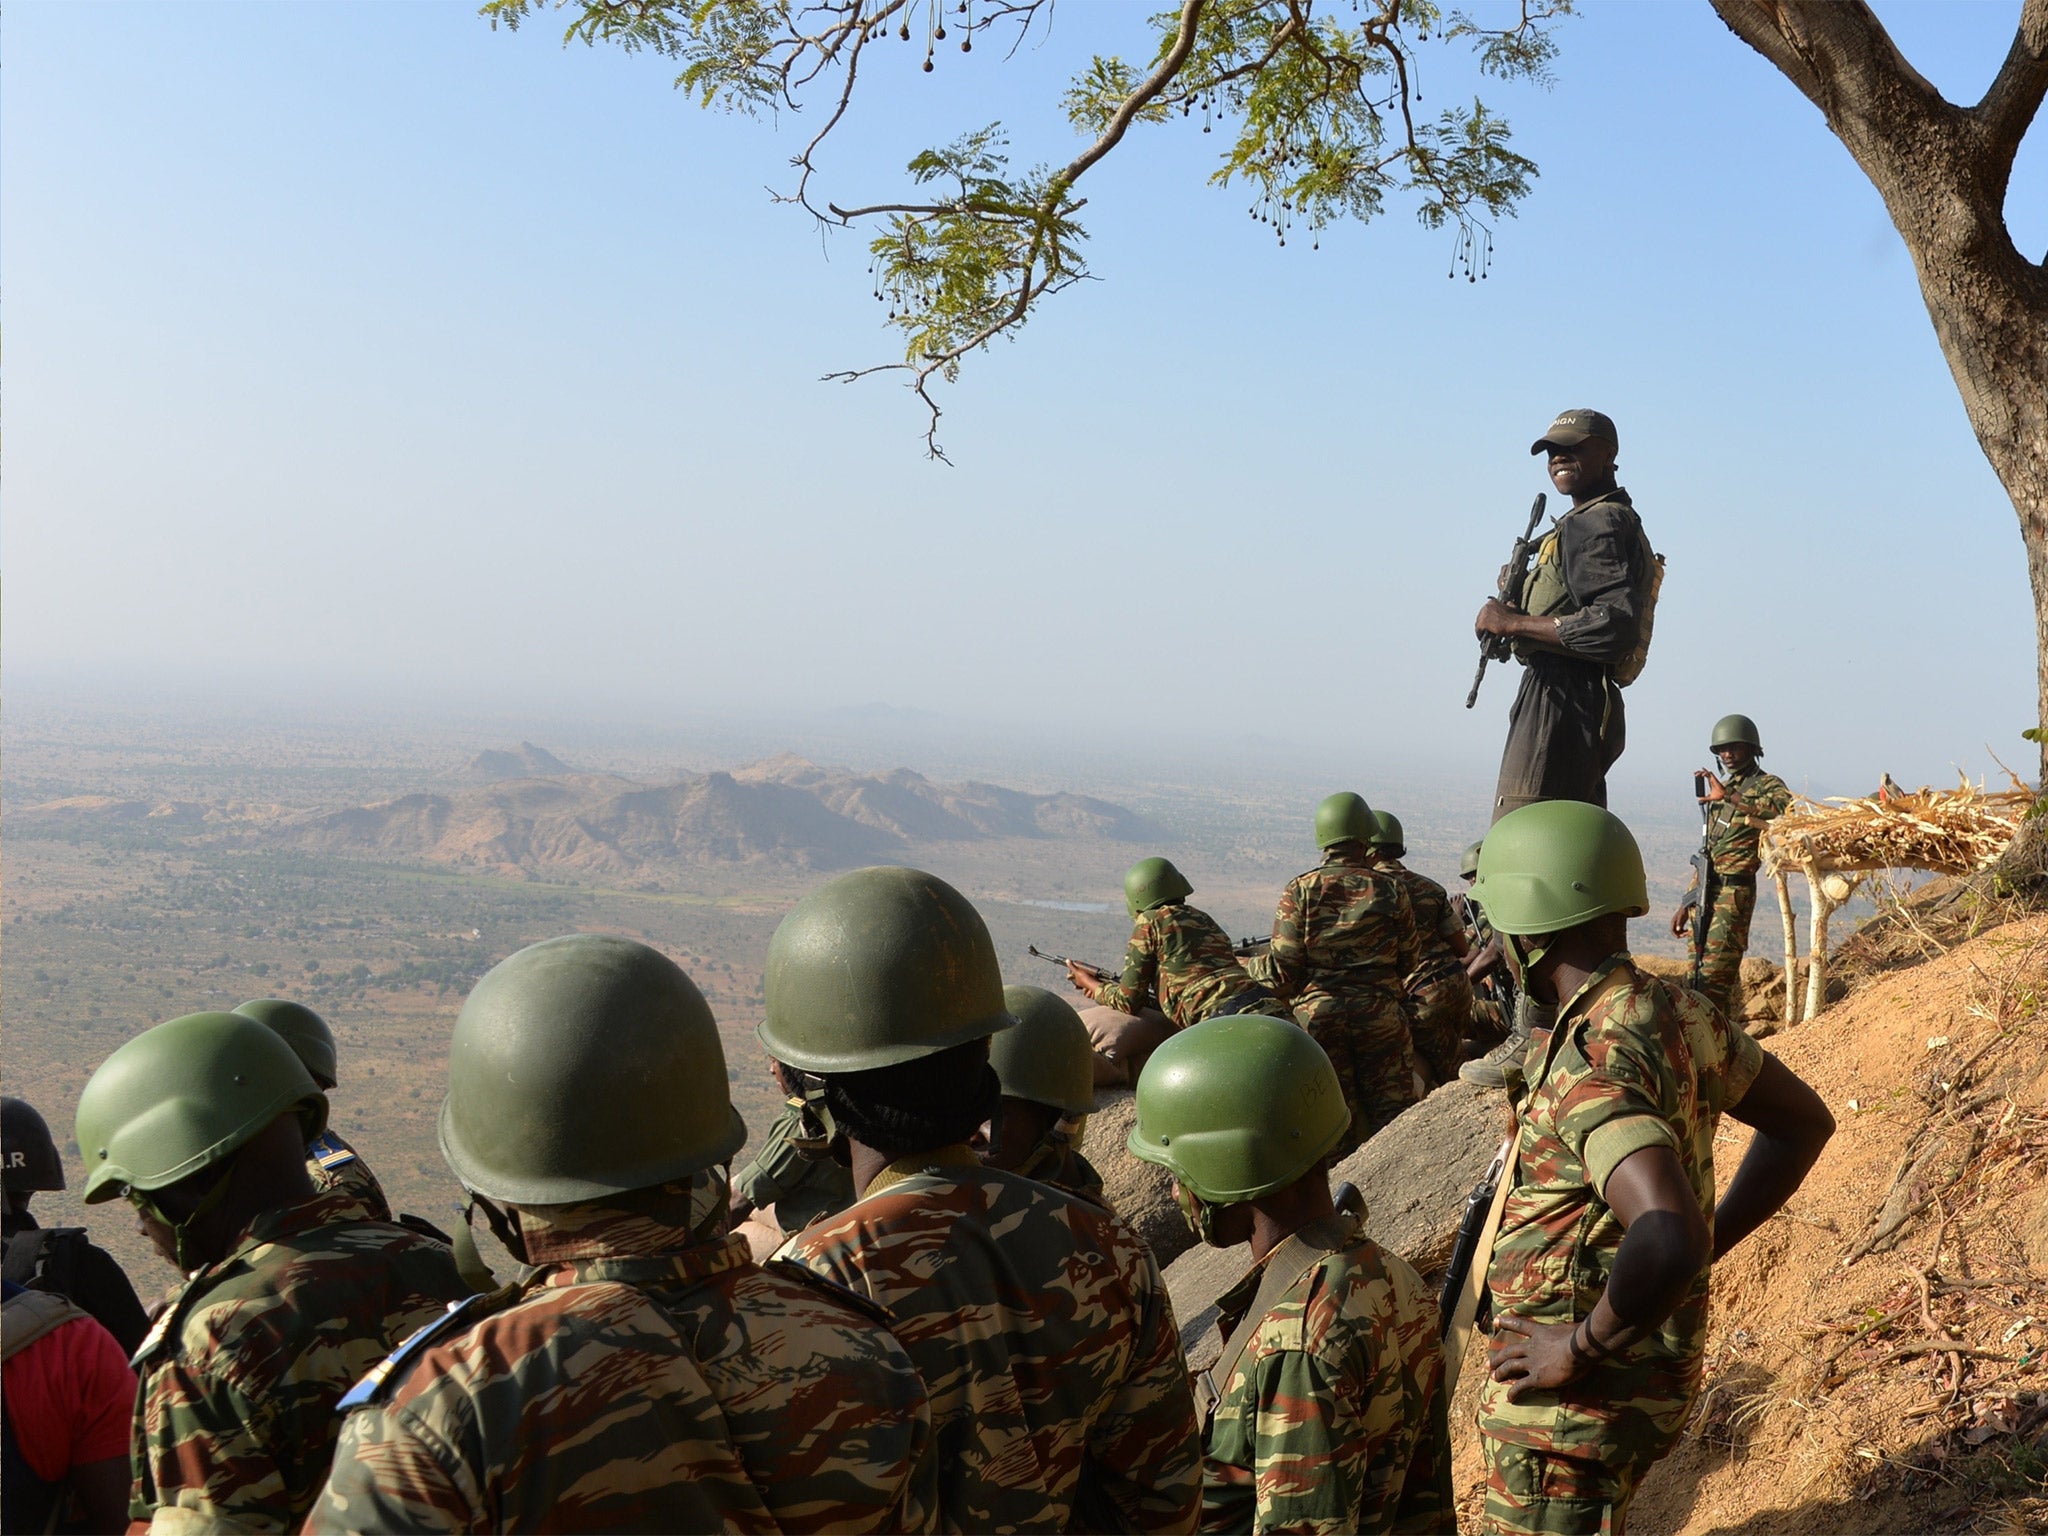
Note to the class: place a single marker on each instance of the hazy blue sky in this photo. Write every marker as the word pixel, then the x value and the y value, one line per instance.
pixel 362 351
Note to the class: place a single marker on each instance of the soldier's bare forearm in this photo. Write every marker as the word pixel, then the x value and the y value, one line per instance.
pixel 1792 1127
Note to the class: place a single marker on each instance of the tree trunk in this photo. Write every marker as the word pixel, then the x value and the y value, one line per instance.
pixel 1943 172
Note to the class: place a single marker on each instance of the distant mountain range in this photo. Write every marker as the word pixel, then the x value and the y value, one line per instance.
pixel 559 824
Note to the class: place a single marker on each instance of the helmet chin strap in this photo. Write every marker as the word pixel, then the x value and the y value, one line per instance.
pixel 817 1132
pixel 1526 959
pixel 1200 1213
pixel 181 1231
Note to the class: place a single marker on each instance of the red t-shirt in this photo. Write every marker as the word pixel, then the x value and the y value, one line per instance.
pixel 70 1399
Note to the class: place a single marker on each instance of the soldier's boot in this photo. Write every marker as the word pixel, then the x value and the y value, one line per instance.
pixel 1501 1067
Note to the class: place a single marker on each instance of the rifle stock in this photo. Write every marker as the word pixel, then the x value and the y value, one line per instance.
pixel 1471 1226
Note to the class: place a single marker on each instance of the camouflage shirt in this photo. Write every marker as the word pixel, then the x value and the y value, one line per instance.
pixel 1345 932
pixel 332 1164
pixel 800 1188
pixel 1437 928
pixel 1633 1063
pixel 1334 1419
pixel 641 1383
pixel 1042 1328
pixel 242 1372
pixel 1179 955
pixel 1735 825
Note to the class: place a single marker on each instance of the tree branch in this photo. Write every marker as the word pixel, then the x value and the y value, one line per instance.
pixel 1160 78
pixel 2008 107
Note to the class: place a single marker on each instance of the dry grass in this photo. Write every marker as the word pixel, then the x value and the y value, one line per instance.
pixel 1948 831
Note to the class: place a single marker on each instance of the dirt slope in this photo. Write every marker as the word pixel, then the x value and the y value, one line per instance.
pixel 1825 1407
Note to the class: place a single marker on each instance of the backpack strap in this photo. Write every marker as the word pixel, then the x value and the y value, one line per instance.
pixel 24 1255
pixel 1286 1266
pixel 33 1315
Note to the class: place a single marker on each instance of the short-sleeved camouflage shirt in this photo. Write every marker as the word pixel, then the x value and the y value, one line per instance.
pixel 642 1382
pixel 1633 1063
pixel 1042 1328
pixel 1179 955
pixel 242 1372
pixel 1334 1419
pixel 1735 825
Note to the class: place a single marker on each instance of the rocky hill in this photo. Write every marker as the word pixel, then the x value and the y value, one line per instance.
pixel 784 811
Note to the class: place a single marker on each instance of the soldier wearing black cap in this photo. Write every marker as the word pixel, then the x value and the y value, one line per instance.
pixel 57 1259
pixel 1582 633
pixel 1582 628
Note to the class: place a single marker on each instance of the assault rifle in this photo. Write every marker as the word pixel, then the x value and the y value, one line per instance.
pixel 1471 1230
pixel 1700 899
pixel 1252 945
pixel 1498 984
pixel 1082 965
pixel 1514 576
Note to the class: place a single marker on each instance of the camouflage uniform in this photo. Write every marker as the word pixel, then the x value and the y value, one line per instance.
pixel 1043 1331
pixel 800 1188
pixel 1439 992
pixel 638 1382
pixel 241 1374
pixel 1343 938
pixel 1335 1418
pixel 1633 1063
pixel 1074 1174
pixel 332 1164
pixel 1734 837
pixel 1179 955
pixel 1493 998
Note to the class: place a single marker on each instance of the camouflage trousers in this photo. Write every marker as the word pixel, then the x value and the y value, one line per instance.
pixel 1490 1022
pixel 1532 1492
pixel 1368 1042
pixel 1727 939
pixel 1439 1016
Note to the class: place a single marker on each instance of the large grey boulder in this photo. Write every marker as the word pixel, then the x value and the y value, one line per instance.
pixel 1141 1192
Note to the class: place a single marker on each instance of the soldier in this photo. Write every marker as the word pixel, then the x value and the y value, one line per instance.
pixel 1176 953
pixel 330 1161
pixel 794 1178
pixel 1599 1273
pixel 1045 1067
pixel 649 1376
pixel 1582 616
pixel 60 1260
pixel 1438 990
pixel 70 1399
pixel 1326 1409
pixel 1343 940
pixel 1736 812
pixel 1040 1324
pixel 203 1123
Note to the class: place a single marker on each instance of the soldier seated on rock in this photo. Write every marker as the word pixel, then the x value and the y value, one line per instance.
pixel 1326 1410
pixel 1041 1326
pixel 203 1123
pixel 1045 1066
pixel 648 1375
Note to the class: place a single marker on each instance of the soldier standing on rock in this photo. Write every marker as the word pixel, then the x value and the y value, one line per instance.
pixel 1737 811
pixel 1040 1324
pixel 1326 1410
pixel 1344 940
pixel 1599 1275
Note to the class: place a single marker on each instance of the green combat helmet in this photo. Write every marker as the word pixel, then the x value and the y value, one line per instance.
pixel 583 1067
pixel 1344 818
pixel 1736 731
pixel 1468 866
pixel 185 1096
pixel 876 967
pixel 1237 1107
pixel 1556 864
pixel 1047 1058
pixel 1153 883
pixel 1387 835
pixel 300 1028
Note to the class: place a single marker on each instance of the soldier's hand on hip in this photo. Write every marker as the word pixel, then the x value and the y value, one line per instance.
pixel 1536 1357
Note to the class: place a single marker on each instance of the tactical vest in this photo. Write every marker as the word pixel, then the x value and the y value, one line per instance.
pixel 1547 596
pixel 45 1258
pixel 27 1502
